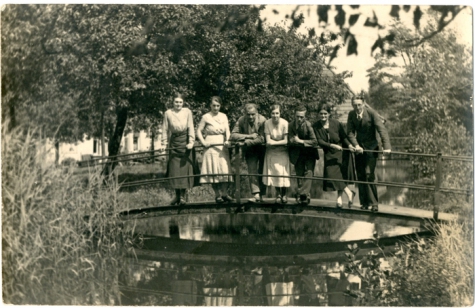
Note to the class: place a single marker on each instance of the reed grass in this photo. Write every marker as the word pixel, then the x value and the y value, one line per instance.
pixel 62 240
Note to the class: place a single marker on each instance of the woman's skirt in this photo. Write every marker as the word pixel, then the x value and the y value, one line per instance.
pixel 216 166
pixel 180 163
pixel 341 166
pixel 276 163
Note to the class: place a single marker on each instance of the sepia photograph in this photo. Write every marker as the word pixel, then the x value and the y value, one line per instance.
pixel 237 154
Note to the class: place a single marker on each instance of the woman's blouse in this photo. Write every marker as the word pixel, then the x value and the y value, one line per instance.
pixel 178 122
pixel 214 125
pixel 276 132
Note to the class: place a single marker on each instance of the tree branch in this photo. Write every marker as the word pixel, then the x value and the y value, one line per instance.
pixel 418 42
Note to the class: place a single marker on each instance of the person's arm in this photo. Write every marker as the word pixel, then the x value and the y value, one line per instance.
pixel 227 133
pixel 320 133
pixel 191 131
pixel 312 141
pixel 164 132
pixel 199 134
pixel 293 134
pixel 350 129
pixel 236 134
pixel 259 139
pixel 284 141
pixel 383 133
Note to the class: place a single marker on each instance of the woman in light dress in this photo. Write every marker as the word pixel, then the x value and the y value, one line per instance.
pixel 179 133
pixel 216 166
pixel 276 162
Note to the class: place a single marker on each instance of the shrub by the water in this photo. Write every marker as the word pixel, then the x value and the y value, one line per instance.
pixel 62 239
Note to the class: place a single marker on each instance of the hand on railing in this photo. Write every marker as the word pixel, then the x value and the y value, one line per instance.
pixel 336 147
pixel 388 151
pixel 351 148
pixel 189 146
pixel 359 149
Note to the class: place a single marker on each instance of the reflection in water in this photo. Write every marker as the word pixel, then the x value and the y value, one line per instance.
pixel 268 272
pixel 179 283
pixel 262 229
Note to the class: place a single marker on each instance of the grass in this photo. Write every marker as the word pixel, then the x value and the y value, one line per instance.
pixel 62 241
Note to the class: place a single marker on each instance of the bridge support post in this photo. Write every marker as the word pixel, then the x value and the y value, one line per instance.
pixel 438 181
pixel 237 168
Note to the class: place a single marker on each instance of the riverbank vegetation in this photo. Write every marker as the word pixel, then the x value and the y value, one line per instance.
pixel 62 240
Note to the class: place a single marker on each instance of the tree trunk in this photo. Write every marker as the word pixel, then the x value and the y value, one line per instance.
pixel 114 142
pixel 103 144
pixel 56 152
pixel 152 145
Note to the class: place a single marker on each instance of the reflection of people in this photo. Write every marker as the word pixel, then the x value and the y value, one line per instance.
pixel 363 123
pixel 332 138
pixel 302 153
pixel 276 161
pixel 250 129
pixel 216 166
pixel 179 130
pixel 279 290
pixel 309 289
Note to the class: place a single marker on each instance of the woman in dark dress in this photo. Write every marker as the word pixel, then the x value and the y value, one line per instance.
pixel 179 133
pixel 331 137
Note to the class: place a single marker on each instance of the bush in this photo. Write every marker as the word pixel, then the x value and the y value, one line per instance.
pixel 423 272
pixel 63 242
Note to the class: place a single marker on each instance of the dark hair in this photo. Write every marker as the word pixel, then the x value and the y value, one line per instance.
pixel 358 96
pixel 250 106
pixel 301 108
pixel 216 99
pixel 274 107
pixel 324 106
pixel 178 95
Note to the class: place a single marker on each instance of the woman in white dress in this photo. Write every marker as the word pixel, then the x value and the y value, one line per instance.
pixel 179 133
pixel 276 161
pixel 216 166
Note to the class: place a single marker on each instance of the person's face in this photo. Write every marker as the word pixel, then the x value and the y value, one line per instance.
pixel 324 115
pixel 251 115
pixel 215 106
pixel 300 116
pixel 275 115
pixel 178 103
pixel 358 105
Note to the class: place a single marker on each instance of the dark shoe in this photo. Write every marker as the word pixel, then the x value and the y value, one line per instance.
pixel 219 200
pixel 303 198
pixel 283 199
pixel 278 198
pixel 365 207
pixel 374 208
pixel 350 201
pixel 182 201
pixel 227 198
pixel 339 205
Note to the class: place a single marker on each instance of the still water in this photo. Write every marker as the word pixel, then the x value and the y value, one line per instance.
pixel 256 259
pixel 246 259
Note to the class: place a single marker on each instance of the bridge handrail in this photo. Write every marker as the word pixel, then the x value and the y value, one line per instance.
pixel 163 152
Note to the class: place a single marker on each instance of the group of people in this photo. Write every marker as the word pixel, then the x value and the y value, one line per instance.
pixel 271 145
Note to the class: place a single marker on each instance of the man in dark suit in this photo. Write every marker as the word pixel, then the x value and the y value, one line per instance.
pixel 303 153
pixel 362 126
pixel 249 129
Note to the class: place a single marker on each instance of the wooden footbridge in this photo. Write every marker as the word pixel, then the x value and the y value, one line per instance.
pixel 387 213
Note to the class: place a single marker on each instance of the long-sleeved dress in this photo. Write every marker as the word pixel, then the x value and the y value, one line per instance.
pixel 333 160
pixel 178 129
pixel 276 161
pixel 215 158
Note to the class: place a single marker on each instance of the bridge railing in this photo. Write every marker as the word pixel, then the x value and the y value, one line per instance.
pixel 436 188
